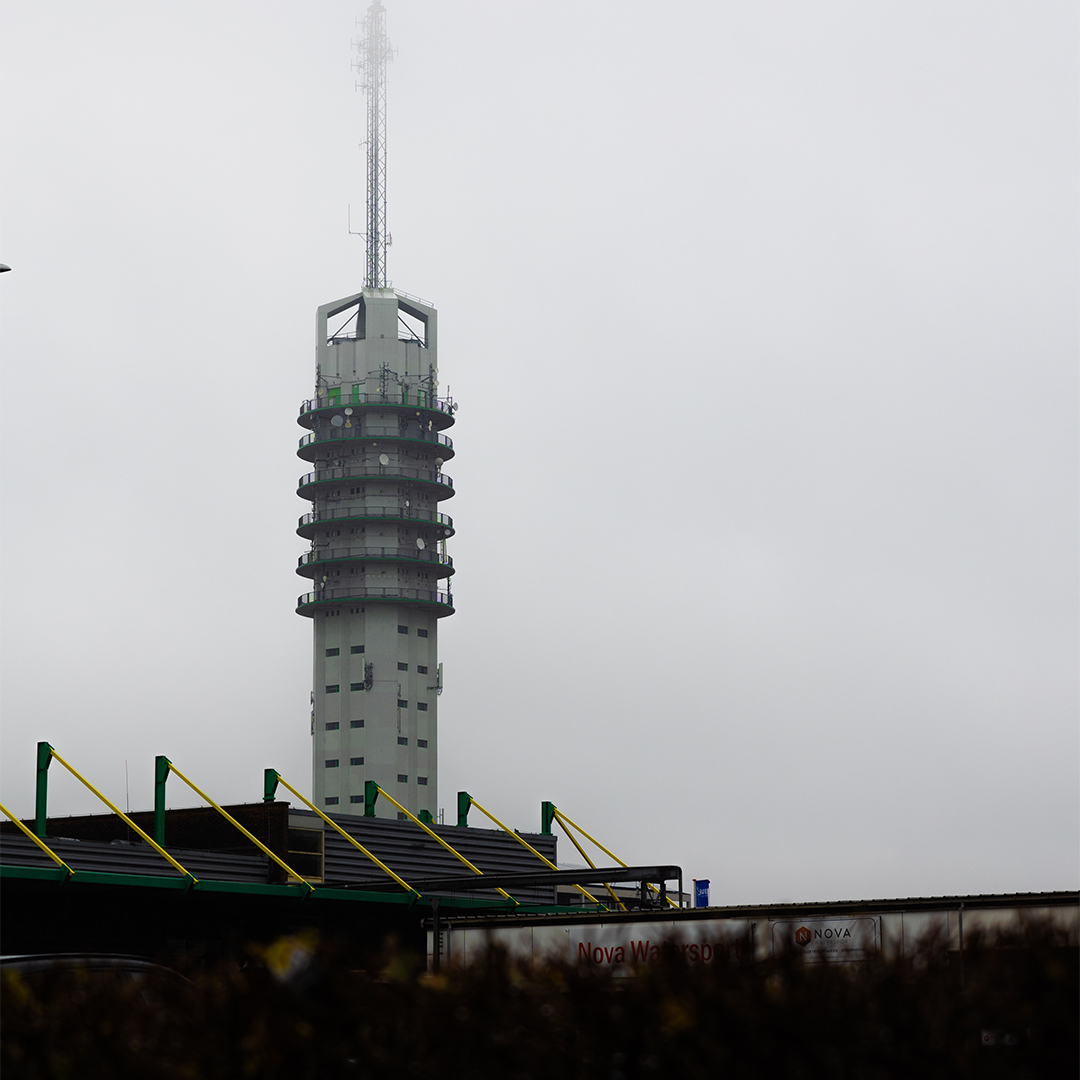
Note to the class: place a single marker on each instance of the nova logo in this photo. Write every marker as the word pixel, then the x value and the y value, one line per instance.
pixel 803 936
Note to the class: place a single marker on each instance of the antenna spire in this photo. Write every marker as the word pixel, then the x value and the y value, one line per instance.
pixel 373 54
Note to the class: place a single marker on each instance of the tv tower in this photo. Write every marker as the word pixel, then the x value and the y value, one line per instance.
pixel 378 558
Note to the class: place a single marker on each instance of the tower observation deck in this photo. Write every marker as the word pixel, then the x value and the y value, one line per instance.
pixel 378 566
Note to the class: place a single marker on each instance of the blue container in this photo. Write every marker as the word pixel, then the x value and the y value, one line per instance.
pixel 701 892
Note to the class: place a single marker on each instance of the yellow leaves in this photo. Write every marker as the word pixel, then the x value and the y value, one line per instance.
pixel 289 956
pixel 676 1015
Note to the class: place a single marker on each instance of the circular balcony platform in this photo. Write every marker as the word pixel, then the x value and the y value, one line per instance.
pixel 309 563
pixel 312 444
pixel 441 525
pixel 442 603
pixel 419 403
pixel 443 484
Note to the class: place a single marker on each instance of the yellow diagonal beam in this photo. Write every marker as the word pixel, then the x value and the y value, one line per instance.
pixel 37 840
pixel 564 820
pixel 228 817
pixel 431 832
pixel 123 817
pixel 524 843
pixel 352 840
pixel 584 854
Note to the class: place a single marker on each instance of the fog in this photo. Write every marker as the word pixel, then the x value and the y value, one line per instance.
pixel 763 323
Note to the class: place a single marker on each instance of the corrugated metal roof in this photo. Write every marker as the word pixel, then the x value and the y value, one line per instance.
pixel 411 853
pixel 401 845
pixel 140 858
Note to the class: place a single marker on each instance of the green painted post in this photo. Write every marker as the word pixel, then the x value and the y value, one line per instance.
pixel 41 795
pixel 547 816
pixel 371 793
pixel 425 817
pixel 464 801
pixel 270 784
pixel 161 774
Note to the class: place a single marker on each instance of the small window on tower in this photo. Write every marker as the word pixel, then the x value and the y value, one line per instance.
pixel 356 686
pixel 421 670
pixel 356 798
pixel 422 706
pixel 333 726
pixel 331 762
pixel 422 780
pixel 333 652
pixel 402 741
pixel 333 689
pixel 402 629
pixel 354 649
pixel 401 816
pixel 402 667
pixel 402 778
pixel 421 632
pixel 402 703
pixel 332 801
pixel 356 723
pixel 422 743
pixel 356 761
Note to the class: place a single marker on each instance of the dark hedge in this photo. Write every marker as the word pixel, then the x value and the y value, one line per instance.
pixel 296 1010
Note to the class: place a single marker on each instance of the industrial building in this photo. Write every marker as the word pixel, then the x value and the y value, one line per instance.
pixel 365 856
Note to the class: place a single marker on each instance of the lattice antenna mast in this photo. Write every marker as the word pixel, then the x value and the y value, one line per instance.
pixel 373 54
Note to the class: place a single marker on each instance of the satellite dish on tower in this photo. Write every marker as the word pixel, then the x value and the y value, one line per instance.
pixel 420 543
pixel 383 459
pixel 336 420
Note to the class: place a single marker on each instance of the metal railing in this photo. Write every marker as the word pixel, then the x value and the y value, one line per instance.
pixel 420 399
pixel 355 432
pixel 376 472
pixel 417 299
pixel 430 596
pixel 346 512
pixel 414 554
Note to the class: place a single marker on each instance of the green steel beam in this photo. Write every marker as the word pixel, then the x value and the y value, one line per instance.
pixel 270 784
pixel 371 793
pixel 36 873
pixel 161 774
pixel 41 794
pixel 248 888
pixel 464 801
pixel 547 816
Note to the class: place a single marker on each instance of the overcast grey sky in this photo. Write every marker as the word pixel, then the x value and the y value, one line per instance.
pixel 763 321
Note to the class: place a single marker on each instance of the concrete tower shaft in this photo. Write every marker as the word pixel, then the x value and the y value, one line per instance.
pixel 378 557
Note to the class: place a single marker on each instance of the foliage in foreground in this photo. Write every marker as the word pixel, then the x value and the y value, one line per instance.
pixel 296 1011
